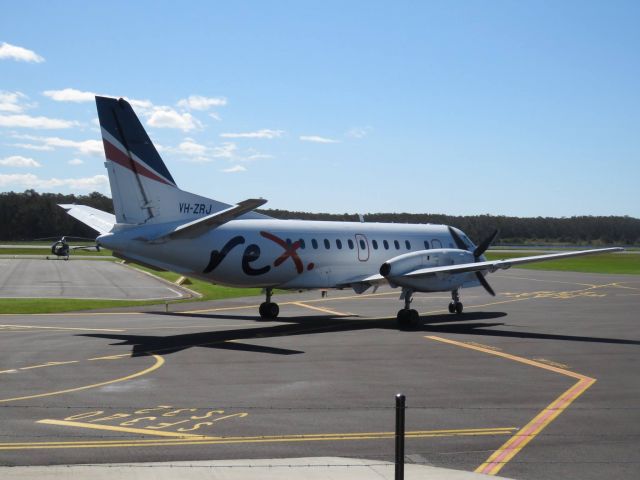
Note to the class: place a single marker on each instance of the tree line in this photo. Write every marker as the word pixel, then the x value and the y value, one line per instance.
pixel 30 215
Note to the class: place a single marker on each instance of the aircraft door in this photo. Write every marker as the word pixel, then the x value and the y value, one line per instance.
pixel 362 244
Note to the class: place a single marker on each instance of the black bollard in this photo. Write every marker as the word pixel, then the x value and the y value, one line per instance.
pixel 400 408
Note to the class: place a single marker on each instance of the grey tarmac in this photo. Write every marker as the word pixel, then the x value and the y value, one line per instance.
pixel 545 373
pixel 58 278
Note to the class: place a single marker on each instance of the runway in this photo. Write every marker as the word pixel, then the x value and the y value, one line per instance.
pixel 92 279
pixel 538 382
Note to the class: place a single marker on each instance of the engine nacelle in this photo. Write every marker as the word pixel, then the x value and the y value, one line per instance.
pixel 395 268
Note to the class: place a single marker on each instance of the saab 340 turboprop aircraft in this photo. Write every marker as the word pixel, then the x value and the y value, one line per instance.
pixel 159 225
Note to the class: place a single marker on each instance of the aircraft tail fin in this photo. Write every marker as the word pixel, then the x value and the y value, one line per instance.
pixel 142 187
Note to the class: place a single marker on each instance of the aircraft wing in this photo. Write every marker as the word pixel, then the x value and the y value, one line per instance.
pixel 493 265
pixel 197 227
pixel 101 222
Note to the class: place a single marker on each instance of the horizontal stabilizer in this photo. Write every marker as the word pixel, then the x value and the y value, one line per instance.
pixel 101 222
pixel 198 227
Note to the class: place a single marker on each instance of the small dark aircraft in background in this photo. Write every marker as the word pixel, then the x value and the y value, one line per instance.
pixel 61 248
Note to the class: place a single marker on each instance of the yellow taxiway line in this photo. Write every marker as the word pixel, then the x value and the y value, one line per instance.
pixel 159 361
pixel 179 441
pixel 320 309
pixel 517 442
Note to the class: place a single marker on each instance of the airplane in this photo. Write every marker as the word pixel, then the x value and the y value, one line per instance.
pixel 159 225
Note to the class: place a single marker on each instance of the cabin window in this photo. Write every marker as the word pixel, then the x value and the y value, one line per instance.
pixel 302 245
pixel 363 246
pixel 396 243
pixel 426 245
pixel 375 244
pixel 436 243
pixel 350 243
pixel 407 244
pixel 338 244
pixel 327 245
pixel 386 244
pixel 314 243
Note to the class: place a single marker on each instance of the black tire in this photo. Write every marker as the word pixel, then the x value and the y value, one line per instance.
pixel 452 307
pixel 269 310
pixel 273 310
pixel 459 308
pixel 414 318
pixel 403 318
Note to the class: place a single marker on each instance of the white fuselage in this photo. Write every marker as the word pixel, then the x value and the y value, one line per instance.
pixel 291 254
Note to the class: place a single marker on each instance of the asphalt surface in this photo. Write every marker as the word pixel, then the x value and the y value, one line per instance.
pixel 57 278
pixel 545 371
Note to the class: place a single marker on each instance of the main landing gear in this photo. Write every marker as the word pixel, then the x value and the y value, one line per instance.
pixel 407 317
pixel 268 309
pixel 455 306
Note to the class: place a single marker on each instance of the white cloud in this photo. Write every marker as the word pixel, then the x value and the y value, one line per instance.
pixel 19 161
pixel 235 169
pixel 31 146
pixel 264 133
pixel 21 54
pixel 69 95
pixel 144 105
pixel 80 96
pixel 27 121
pixel 29 180
pixel 197 102
pixel 84 147
pixel 191 147
pixel 75 161
pixel 226 150
pixel 258 156
pixel 358 132
pixel 317 139
pixel 11 102
pixel 166 117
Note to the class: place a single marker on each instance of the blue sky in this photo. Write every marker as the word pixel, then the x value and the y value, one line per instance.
pixel 467 107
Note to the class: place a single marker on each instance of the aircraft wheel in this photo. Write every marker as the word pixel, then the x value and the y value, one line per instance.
pixel 459 308
pixel 402 318
pixel 408 318
pixel 452 307
pixel 269 310
pixel 414 318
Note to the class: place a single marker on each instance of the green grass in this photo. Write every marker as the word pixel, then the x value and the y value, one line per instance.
pixel 612 263
pixel 56 305
pixel 208 290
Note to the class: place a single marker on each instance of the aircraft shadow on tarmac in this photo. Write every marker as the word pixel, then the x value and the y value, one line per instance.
pixel 474 323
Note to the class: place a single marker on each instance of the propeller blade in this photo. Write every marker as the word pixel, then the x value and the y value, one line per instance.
pixel 485 284
pixel 486 243
pixel 456 238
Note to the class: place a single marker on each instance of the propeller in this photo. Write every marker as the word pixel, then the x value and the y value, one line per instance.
pixel 477 253
pixel 486 243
